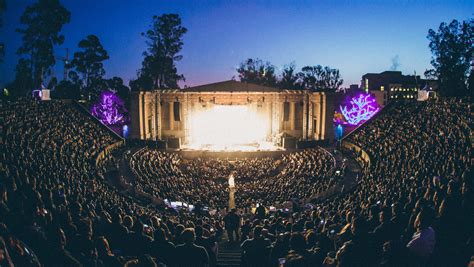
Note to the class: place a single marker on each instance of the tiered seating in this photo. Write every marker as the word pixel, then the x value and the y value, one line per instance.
pixel 265 181
pixel 414 206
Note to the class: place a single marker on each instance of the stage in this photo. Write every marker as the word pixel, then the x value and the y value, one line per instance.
pixel 192 154
pixel 241 150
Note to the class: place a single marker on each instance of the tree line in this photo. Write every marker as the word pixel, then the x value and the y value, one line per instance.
pixel 317 78
pixel 452 48
pixel 42 22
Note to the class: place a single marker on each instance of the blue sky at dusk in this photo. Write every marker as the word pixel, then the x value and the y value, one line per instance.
pixel 355 36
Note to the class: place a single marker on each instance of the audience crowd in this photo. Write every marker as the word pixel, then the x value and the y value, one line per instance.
pixel 413 207
pixel 160 174
pixel 264 181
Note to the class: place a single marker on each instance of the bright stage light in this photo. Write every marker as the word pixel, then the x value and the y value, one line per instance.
pixel 228 127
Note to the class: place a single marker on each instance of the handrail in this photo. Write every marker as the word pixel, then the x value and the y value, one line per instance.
pixel 329 174
pixel 363 159
pixel 136 174
pixel 334 165
pixel 107 150
pixel 363 156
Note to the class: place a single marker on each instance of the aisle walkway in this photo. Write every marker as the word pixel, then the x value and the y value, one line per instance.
pixel 229 254
pixel 351 175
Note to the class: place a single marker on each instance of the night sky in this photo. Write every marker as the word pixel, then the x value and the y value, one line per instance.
pixel 355 36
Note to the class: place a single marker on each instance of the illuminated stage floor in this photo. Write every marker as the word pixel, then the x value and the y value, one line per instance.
pixel 262 149
pixel 260 146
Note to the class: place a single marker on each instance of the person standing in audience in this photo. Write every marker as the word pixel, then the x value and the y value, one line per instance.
pixel 255 251
pixel 162 249
pixel 189 254
pixel 232 225
pixel 260 212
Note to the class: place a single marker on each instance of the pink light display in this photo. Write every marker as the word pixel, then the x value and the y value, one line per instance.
pixel 110 109
pixel 359 109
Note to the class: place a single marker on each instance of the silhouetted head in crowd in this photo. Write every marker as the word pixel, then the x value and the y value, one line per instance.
pixel 188 236
pixel 359 226
pixel 257 232
pixel 297 242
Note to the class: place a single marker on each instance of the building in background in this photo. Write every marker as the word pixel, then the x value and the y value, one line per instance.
pixel 393 85
pixel 353 87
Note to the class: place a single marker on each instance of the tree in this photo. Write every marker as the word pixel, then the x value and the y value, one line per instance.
pixel 258 72
pixel 23 82
pixel 430 74
pixel 332 79
pixel 116 84
pixel 311 77
pixel 452 50
pixel 67 90
pixel 44 21
pixel 143 82
pixel 320 78
pixel 3 6
pixel 164 40
pixel 88 65
pixel 53 82
pixel 289 77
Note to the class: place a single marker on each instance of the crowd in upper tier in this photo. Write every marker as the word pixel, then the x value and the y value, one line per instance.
pixel 266 181
pixel 413 207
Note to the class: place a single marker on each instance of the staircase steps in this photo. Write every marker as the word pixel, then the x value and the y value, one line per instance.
pixel 229 255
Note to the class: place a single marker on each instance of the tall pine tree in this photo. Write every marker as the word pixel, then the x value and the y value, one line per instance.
pixel 165 41
pixel 43 22
pixel 452 49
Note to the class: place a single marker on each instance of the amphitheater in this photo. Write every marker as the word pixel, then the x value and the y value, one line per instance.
pixel 74 193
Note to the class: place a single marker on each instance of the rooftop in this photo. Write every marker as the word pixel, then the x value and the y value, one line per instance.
pixel 231 86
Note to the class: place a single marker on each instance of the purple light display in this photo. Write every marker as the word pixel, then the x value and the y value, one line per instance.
pixel 359 109
pixel 110 109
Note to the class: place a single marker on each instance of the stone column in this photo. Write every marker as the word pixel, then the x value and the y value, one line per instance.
pixel 318 116
pixel 146 112
pixel 171 107
pixel 184 117
pixel 292 116
pixel 305 117
pixel 158 115
pixel 275 115
pixel 310 120
pixel 323 116
pixel 281 115
pixel 142 116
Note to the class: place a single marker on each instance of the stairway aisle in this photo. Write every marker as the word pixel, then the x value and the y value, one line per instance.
pixel 229 254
